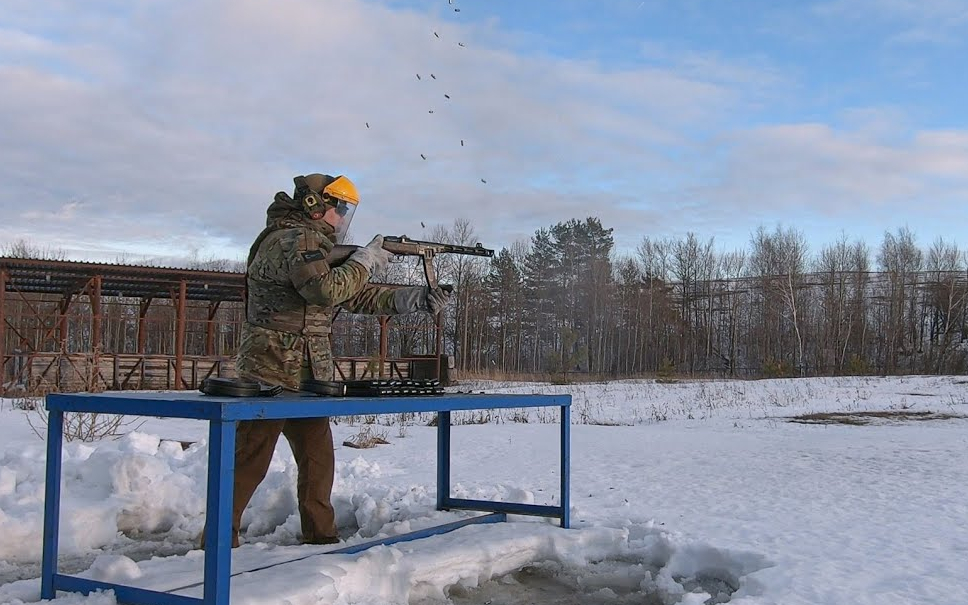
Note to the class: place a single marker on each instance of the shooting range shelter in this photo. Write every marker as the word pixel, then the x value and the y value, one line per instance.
pixel 77 326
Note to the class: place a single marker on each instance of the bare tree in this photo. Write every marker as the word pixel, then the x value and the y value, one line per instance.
pixel 730 296
pixel 21 248
pixel 837 316
pixel 901 259
pixel 692 266
pixel 947 294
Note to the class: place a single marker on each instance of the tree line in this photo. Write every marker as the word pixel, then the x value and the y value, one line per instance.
pixel 566 303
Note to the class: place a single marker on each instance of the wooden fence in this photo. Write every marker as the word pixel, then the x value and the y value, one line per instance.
pixel 39 373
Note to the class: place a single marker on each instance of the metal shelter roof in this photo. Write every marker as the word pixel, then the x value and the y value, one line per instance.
pixel 71 277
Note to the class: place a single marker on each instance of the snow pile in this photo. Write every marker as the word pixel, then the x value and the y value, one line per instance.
pixel 137 485
pixel 607 564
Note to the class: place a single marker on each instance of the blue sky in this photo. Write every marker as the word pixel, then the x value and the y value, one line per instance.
pixel 159 128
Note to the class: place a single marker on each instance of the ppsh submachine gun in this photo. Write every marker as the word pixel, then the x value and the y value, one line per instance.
pixel 404 246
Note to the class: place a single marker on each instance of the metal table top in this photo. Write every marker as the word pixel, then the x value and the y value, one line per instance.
pixel 194 404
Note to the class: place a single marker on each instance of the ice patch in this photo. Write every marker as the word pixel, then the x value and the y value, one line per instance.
pixel 655 571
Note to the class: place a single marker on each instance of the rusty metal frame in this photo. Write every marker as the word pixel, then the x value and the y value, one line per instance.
pixel 180 333
pixel 67 283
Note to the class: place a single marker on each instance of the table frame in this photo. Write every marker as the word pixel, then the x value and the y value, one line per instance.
pixel 223 414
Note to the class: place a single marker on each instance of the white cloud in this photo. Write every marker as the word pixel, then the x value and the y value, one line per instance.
pixel 852 175
pixel 190 121
pixel 169 126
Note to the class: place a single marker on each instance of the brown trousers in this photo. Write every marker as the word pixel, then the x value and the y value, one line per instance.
pixel 311 441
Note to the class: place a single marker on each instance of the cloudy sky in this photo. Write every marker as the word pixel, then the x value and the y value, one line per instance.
pixel 164 127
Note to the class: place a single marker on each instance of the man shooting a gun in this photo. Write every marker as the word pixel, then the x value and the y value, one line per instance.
pixel 294 287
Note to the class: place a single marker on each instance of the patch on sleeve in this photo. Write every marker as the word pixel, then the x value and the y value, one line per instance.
pixel 313 255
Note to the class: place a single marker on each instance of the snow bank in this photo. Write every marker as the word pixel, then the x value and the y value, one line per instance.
pixel 722 501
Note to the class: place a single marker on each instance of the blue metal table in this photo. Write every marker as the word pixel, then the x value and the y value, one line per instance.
pixel 223 413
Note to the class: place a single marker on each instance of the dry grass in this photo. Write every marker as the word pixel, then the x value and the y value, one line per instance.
pixel 367 438
pixel 865 418
pixel 79 426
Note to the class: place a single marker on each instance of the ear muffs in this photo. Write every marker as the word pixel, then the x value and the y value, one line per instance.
pixel 313 206
pixel 311 202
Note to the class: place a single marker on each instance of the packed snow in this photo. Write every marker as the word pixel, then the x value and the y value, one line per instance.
pixel 684 492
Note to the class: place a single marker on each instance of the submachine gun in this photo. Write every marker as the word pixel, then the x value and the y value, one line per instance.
pixel 404 246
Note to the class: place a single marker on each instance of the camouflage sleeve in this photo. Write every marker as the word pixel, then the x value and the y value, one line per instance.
pixel 320 284
pixel 372 300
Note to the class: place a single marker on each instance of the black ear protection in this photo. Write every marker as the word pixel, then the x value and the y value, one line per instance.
pixel 311 201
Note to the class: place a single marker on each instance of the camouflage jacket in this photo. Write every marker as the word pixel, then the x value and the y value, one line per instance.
pixel 292 293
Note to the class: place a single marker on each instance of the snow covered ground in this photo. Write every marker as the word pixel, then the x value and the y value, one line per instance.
pixel 682 492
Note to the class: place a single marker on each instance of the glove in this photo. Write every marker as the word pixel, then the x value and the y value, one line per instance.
pixel 372 256
pixel 420 298
pixel 437 299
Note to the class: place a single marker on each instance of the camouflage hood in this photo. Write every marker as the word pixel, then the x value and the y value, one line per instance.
pixel 286 213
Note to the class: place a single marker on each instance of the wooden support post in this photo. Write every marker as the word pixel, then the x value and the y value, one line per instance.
pixel 180 333
pixel 95 295
pixel 65 306
pixel 384 343
pixel 439 320
pixel 143 325
pixel 210 328
pixel 3 323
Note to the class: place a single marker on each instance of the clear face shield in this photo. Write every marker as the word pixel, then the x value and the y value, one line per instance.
pixel 339 216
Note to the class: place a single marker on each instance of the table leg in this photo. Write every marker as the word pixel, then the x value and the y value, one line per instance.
pixel 565 466
pixel 55 451
pixel 218 512
pixel 443 459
